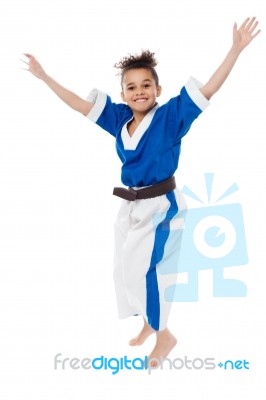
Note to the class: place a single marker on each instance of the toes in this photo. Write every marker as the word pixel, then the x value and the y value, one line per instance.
pixel 133 342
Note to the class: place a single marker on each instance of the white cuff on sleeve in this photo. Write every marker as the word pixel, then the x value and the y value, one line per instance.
pixel 98 98
pixel 192 87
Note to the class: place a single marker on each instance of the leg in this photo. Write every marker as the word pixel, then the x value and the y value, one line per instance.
pixel 139 248
pixel 121 228
pixel 156 283
pixel 134 244
pixel 167 268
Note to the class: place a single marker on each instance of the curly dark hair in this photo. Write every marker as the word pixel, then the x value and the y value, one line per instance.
pixel 145 60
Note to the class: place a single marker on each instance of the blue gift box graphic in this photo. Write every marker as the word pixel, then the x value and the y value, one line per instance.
pixel 213 238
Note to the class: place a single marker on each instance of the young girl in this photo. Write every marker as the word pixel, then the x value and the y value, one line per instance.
pixel 148 139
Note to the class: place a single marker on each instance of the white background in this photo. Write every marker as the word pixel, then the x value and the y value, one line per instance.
pixel 57 171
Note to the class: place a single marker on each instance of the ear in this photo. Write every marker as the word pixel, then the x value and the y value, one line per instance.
pixel 159 91
pixel 123 96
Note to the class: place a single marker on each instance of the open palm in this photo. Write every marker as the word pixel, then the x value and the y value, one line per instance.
pixel 246 33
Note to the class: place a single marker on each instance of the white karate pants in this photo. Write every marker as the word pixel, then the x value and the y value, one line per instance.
pixel 147 242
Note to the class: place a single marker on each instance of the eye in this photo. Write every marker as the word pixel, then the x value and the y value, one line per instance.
pixel 130 88
pixel 147 85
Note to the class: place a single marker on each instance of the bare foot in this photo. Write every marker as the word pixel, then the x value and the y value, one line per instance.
pixel 165 343
pixel 142 336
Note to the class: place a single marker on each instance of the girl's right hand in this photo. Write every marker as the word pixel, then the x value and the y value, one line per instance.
pixel 35 67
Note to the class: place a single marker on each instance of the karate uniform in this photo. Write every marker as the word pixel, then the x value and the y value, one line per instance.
pixel 143 227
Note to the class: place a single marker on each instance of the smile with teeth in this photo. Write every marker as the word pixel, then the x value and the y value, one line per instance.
pixel 140 100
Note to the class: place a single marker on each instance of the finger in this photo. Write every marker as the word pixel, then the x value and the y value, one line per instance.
pixel 244 23
pixel 255 34
pixel 28 55
pixel 252 28
pixel 251 22
pixel 25 62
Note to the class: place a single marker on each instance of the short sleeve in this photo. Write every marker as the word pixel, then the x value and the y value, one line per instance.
pixel 192 87
pixel 108 115
pixel 189 105
pixel 98 98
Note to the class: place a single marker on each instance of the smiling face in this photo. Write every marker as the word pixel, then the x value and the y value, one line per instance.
pixel 140 90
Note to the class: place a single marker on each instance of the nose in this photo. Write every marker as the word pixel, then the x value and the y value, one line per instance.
pixel 140 91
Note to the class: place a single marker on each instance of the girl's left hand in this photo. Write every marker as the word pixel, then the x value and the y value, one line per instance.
pixel 245 34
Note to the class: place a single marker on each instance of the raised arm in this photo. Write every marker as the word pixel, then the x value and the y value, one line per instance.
pixel 241 39
pixel 70 98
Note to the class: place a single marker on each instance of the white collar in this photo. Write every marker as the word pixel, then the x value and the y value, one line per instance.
pixel 131 142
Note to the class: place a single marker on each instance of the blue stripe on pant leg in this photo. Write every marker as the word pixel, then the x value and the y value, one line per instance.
pixel 161 235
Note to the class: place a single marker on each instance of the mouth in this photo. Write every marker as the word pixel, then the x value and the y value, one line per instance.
pixel 140 100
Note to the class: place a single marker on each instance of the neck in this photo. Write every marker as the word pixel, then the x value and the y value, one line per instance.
pixel 138 116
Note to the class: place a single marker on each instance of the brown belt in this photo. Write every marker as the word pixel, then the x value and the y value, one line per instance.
pixel 146 193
